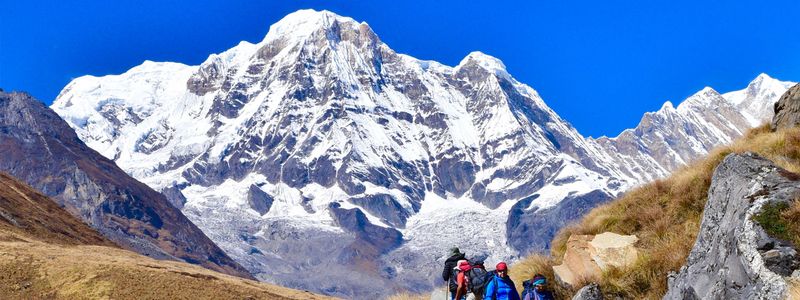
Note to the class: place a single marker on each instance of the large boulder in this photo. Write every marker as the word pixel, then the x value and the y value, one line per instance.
pixel 587 256
pixel 578 263
pixel 611 249
pixel 787 109
pixel 733 256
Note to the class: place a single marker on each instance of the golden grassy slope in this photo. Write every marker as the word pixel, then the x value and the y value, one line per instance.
pixel 31 269
pixel 46 253
pixel 665 215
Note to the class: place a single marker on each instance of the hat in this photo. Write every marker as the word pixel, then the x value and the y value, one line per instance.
pixel 464 265
pixel 501 266
pixel 454 251
pixel 539 279
pixel 460 262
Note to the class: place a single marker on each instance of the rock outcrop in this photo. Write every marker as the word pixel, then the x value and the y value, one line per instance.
pixel 733 257
pixel 589 292
pixel 587 256
pixel 787 109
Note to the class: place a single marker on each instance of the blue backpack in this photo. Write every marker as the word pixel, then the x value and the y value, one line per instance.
pixel 479 278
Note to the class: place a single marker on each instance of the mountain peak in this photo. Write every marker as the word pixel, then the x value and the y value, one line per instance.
pixel 667 106
pixel 762 80
pixel 485 61
pixel 303 22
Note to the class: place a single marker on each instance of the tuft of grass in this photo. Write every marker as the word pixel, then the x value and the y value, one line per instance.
pixel 770 219
pixel 665 215
pixel 781 220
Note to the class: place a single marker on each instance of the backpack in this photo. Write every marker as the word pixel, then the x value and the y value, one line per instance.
pixel 479 278
pixel 454 279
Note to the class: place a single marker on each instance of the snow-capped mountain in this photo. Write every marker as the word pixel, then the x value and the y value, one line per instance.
pixel 321 151
pixel 672 137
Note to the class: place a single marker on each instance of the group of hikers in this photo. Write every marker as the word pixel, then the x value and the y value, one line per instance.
pixel 465 277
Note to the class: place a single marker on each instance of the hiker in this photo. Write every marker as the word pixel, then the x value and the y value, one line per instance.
pixel 451 262
pixel 501 287
pixel 459 280
pixel 534 289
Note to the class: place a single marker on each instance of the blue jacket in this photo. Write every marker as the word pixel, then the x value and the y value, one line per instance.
pixel 503 287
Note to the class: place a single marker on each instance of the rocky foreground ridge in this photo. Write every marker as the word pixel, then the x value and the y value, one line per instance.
pixel 734 258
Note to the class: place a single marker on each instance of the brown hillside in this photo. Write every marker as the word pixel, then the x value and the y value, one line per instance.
pixel 24 211
pixel 665 215
pixel 46 253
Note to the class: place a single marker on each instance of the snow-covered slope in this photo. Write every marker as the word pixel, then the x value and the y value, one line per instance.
pixel 321 151
pixel 672 137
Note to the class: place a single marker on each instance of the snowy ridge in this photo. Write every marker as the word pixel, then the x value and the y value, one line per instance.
pixel 672 137
pixel 321 141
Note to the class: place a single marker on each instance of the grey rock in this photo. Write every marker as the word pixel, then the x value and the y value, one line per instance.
pixel 589 292
pixel 174 195
pixel 259 200
pixel 725 262
pixel 787 109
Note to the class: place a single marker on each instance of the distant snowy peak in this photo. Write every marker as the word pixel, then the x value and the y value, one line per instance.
pixel 756 101
pixel 671 137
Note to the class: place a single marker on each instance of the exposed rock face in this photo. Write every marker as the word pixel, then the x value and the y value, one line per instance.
pixel 27 212
pixel 534 231
pixel 39 148
pixel 787 109
pixel 589 292
pixel 733 258
pixel 259 200
pixel 587 256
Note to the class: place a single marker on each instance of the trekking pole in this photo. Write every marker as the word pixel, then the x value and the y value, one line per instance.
pixel 446 285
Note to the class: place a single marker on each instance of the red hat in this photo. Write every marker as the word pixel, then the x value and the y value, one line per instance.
pixel 501 266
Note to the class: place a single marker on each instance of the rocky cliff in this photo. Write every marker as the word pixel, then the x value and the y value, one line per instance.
pixel 787 109
pixel 38 147
pixel 733 257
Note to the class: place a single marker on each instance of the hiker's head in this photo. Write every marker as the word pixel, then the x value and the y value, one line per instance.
pixel 454 251
pixel 502 269
pixel 539 281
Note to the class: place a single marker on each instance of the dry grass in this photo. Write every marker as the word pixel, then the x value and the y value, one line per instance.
pixel 31 269
pixel 665 215
pixel 538 264
pixel 794 289
pixel 46 253
pixel 409 296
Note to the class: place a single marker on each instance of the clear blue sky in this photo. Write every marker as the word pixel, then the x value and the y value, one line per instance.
pixel 599 64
